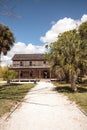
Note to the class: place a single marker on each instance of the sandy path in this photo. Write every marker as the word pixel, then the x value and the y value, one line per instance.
pixel 45 109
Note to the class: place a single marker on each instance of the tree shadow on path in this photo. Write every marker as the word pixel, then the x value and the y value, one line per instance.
pixel 67 89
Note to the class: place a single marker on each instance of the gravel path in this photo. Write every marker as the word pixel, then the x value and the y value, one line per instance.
pixel 45 109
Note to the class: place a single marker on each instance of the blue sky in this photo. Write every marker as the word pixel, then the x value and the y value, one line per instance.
pixel 35 17
pixel 38 22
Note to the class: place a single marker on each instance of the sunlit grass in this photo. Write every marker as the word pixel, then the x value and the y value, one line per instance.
pixel 1 79
pixel 10 95
pixel 79 97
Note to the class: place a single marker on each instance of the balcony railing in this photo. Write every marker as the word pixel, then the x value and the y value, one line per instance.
pixel 40 66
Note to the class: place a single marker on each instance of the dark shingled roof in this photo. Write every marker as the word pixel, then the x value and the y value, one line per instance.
pixel 25 57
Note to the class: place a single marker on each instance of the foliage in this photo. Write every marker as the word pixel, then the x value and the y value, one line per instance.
pixel 7 8
pixel 9 75
pixel 6 39
pixel 83 31
pixel 2 71
pixel 68 55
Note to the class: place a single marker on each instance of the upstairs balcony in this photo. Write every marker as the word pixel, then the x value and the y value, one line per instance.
pixel 30 64
pixel 33 66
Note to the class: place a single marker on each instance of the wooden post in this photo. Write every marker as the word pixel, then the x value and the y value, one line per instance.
pixel 50 74
pixel 19 75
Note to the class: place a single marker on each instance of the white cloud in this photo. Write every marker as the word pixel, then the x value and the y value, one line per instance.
pixel 61 26
pixel 21 48
pixel 51 35
pixel 84 18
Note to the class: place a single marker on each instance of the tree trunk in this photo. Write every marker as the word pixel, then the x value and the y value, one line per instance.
pixel 8 81
pixel 73 83
pixel 0 59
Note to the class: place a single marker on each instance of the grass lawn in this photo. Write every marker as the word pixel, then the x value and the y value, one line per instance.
pixel 1 79
pixel 11 95
pixel 79 97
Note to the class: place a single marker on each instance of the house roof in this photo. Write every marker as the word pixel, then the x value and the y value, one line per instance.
pixel 29 57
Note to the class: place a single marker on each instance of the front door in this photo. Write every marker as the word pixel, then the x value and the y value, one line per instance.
pixel 45 74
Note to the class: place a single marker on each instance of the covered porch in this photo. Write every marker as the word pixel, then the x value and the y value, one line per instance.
pixel 35 73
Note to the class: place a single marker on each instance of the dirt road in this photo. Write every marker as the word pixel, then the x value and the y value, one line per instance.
pixel 45 109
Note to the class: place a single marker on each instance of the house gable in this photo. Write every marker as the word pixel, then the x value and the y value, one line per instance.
pixel 29 57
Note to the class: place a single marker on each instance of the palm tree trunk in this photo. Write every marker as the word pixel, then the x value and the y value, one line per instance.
pixel 0 59
pixel 73 83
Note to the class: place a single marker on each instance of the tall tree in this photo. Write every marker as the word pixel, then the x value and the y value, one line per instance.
pixel 6 40
pixel 83 34
pixel 67 55
pixel 83 31
pixel 7 8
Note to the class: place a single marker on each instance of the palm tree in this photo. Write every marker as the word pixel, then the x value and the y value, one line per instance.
pixel 83 34
pixel 67 53
pixel 6 40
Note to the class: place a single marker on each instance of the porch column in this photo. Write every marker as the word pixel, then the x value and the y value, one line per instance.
pixel 29 75
pixel 39 74
pixel 19 75
pixel 50 74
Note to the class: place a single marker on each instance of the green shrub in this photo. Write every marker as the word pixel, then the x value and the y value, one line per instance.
pixel 9 75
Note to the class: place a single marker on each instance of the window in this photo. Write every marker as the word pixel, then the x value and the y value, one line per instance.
pixel 21 63
pixel 31 74
pixel 21 74
pixel 44 62
pixel 30 63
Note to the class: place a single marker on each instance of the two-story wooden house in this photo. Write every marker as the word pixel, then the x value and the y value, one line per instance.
pixel 31 66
